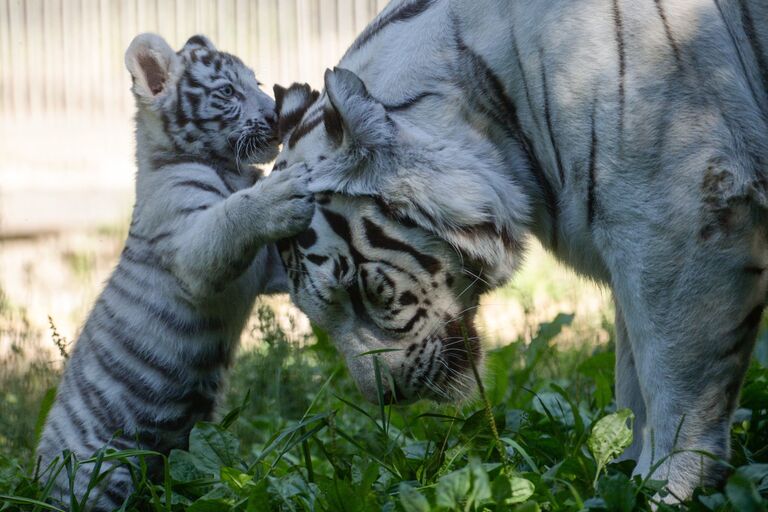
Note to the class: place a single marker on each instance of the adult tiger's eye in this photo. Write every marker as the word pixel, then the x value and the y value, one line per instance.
pixel 226 91
pixel 376 285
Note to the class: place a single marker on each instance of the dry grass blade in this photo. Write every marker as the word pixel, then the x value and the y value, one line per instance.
pixel 486 403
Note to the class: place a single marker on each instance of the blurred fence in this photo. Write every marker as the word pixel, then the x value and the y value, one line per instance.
pixel 66 56
pixel 66 135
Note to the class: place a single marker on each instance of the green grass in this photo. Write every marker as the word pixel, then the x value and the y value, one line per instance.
pixel 24 380
pixel 300 438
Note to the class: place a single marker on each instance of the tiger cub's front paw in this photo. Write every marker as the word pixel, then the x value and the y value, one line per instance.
pixel 290 204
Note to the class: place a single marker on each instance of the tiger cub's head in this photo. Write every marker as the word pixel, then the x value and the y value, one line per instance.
pixel 401 245
pixel 199 102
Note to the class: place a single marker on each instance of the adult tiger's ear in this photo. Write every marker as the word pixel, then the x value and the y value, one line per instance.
pixel 353 116
pixel 152 63
pixel 291 104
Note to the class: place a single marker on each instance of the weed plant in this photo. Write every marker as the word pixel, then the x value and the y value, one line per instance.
pixel 296 436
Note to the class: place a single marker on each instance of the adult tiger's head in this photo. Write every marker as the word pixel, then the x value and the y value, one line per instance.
pixel 199 102
pixel 412 225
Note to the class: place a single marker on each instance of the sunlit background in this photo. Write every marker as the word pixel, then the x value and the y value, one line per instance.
pixel 66 191
pixel 67 165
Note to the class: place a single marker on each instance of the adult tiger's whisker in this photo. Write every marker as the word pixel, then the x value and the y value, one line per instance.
pixel 477 277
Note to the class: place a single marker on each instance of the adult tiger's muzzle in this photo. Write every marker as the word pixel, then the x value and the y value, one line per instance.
pixel 438 367
pixel 396 301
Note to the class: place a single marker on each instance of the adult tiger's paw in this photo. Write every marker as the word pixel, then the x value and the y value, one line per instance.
pixel 290 204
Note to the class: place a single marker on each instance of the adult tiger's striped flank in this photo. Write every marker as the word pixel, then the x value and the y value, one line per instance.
pixel 629 136
pixel 151 358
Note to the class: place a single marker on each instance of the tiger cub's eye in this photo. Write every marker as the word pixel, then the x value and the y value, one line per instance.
pixel 226 91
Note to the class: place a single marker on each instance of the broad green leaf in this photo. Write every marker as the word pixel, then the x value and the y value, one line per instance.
pixel 476 429
pixel 756 473
pixel 236 479
pixel 509 490
pixel 183 467
pixel 743 494
pixel 602 363
pixel 618 492
pixel 212 447
pixel 340 494
pixel 713 502
pixel 289 486
pixel 452 488
pixel 258 500
pixel 501 489
pixel 529 506
pixel 522 489
pixel 603 391
pixel 610 436
pixel 412 500
pixel 600 368
pixel 481 486
pixel 498 366
pixel 210 505
pixel 548 330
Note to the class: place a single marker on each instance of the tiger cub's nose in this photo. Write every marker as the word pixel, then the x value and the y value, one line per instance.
pixel 271 119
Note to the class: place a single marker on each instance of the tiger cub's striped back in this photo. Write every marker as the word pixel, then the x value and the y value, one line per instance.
pixel 152 355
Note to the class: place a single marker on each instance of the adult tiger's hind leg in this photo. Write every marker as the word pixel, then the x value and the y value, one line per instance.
pixel 692 305
pixel 628 392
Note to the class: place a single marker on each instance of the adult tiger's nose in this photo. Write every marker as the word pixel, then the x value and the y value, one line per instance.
pixel 398 397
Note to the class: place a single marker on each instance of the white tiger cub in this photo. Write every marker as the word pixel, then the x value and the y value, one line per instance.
pixel 154 350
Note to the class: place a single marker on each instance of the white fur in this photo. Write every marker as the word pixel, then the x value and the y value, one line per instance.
pixel 153 353
pixel 679 164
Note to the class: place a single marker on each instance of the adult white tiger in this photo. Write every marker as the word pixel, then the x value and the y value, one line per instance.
pixel 153 353
pixel 630 137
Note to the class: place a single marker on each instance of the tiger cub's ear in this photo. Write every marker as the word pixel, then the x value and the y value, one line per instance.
pixel 151 63
pixel 197 42
pixel 291 104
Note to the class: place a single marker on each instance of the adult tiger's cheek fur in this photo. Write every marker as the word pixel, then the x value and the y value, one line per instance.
pixel 410 306
pixel 439 367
